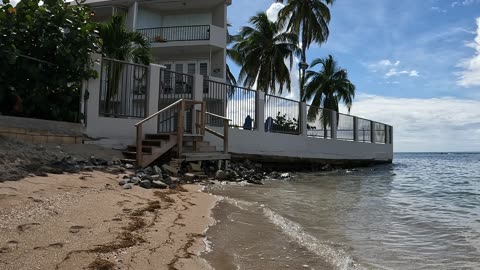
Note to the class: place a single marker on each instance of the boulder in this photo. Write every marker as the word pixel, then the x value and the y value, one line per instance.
pixel 221 175
pixel 145 184
pixel 285 176
pixel 159 184
pixel 127 186
pixel 134 180
pixel 148 170
pixel 189 177
pixel 195 167
pixel 170 170
pixel 123 182
pixel 274 175
pixel 157 170
pixel 129 166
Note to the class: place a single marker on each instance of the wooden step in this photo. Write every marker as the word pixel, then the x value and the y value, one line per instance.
pixel 128 160
pixel 130 154
pixel 197 156
pixel 159 136
pixel 200 149
pixel 200 143
pixel 157 143
pixel 145 149
pixel 192 137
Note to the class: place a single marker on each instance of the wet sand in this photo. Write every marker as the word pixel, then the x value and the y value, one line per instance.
pixel 87 221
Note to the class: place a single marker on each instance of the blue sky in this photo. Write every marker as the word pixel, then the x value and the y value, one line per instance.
pixel 416 65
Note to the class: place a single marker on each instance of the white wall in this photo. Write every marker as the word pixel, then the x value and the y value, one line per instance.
pixel 147 18
pixel 187 19
pixel 275 144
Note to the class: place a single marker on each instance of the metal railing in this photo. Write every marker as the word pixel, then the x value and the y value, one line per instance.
pixel 282 115
pixel 235 102
pixel 345 127
pixel 173 87
pixel 176 33
pixel 380 133
pixel 319 122
pixel 123 89
pixel 364 130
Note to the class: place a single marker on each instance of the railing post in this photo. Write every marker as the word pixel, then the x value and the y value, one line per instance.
pixel 386 133
pixel 139 155
pixel 355 129
pixel 260 111
pixel 203 115
pixel 225 136
pixel 197 95
pixel 181 127
pixel 334 124
pixel 391 134
pixel 372 132
pixel 152 94
pixel 303 119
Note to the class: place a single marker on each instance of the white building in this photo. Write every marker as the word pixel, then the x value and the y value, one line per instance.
pixel 187 36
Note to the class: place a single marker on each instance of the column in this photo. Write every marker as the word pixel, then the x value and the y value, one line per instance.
pixel 334 124
pixel 372 132
pixel 355 129
pixel 303 119
pixel 260 111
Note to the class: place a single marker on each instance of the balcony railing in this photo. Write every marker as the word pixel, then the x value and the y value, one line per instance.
pixel 176 33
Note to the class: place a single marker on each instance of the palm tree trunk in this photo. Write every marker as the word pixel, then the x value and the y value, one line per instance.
pixel 302 71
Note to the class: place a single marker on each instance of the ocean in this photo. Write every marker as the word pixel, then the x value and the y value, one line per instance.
pixel 421 212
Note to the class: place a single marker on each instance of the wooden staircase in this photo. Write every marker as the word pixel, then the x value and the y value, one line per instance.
pixel 185 146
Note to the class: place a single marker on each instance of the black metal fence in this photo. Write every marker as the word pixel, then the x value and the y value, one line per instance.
pixel 282 115
pixel 364 130
pixel 176 33
pixel 173 86
pixel 380 133
pixel 345 127
pixel 234 102
pixel 123 89
pixel 319 122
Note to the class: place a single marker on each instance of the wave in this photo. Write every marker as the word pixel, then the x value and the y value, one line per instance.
pixel 337 258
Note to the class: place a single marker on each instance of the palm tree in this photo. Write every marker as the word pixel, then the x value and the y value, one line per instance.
pixel 327 88
pixel 308 18
pixel 263 49
pixel 120 44
pixel 232 55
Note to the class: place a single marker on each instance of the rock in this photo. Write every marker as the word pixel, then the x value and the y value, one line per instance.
pixel 255 181
pixel 195 167
pixel 274 175
pixel 123 182
pixel 127 186
pixel 258 165
pixel 155 177
pixel 327 168
pixel 129 166
pixel 171 170
pixel 221 175
pixel 148 170
pixel 116 161
pixel 284 176
pixel 145 184
pixel 157 170
pixel 134 180
pixel 172 180
pixel 159 184
pixel 189 177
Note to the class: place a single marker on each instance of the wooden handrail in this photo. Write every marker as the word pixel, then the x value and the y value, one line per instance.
pixel 225 130
pixel 218 116
pixel 159 112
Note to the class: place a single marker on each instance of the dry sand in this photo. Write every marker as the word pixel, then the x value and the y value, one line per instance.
pixel 86 221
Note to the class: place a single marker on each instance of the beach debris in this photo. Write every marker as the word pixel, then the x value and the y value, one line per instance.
pixel 189 177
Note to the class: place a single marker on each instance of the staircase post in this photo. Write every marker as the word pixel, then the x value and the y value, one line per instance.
pixel 197 95
pixel 181 127
pixel 139 155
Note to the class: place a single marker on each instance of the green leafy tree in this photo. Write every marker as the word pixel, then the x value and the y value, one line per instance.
pixel 44 57
pixel 263 49
pixel 120 44
pixel 327 88
pixel 285 124
pixel 308 18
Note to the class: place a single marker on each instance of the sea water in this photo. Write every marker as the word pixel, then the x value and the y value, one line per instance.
pixel 421 212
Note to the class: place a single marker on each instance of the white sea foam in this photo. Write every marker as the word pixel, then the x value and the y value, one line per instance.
pixel 294 231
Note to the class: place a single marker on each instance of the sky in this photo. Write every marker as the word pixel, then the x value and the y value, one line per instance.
pixel 415 64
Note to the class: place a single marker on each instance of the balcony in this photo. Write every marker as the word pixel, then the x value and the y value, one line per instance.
pixel 176 33
pixel 201 36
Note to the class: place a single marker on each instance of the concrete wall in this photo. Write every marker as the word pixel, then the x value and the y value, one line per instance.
pixel 148 18
pixel 297 146
pixel 41 131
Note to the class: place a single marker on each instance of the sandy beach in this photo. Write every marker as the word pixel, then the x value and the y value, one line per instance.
pixel 87 221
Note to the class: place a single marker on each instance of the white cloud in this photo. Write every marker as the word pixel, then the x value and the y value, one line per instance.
pixel 438 9
pixel 435 124
pixel 272 11
pixel 470 76
pixel 394 72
